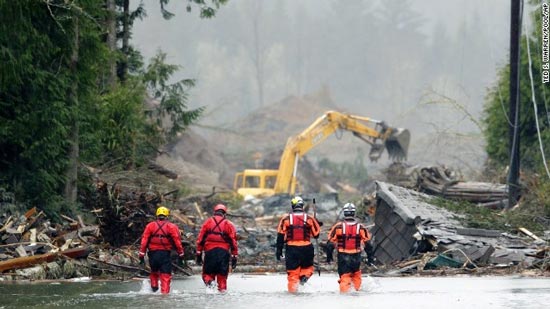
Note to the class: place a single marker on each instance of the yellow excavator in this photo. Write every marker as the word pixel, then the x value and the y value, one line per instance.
pixel 267 182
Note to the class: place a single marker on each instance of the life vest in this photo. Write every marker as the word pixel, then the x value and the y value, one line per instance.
pixel 350 238
pixel 298 228
pixel 161 238
pixel 215 232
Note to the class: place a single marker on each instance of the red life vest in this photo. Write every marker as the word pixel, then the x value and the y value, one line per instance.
pixel 298 228
pixel 160 238
pixel 215 232
pixel 350 237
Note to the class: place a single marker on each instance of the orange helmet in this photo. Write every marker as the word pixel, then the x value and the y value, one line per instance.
pixel 220 207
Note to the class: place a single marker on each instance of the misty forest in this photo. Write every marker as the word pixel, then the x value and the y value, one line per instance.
pixel 88 86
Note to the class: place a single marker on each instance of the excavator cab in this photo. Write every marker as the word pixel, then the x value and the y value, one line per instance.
pixel 258 183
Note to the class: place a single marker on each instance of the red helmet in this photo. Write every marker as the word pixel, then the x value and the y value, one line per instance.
pixel 220 207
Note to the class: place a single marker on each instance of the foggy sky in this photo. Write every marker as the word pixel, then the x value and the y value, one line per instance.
pixel 400 61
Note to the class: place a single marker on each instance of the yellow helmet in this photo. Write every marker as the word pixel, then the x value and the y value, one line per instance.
pixel 163 211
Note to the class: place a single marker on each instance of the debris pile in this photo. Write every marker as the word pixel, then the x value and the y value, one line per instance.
pixel 33 248
pixel 31 245
pixel 410 235
pixel 446 183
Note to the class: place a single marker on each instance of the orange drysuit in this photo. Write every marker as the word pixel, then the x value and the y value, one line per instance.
pixel 295 230
pixel 349 237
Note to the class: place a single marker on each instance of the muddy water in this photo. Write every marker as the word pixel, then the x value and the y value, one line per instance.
pixel 269 291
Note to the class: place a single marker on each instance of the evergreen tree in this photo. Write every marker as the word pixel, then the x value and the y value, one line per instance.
pixel 61 105
pixel 51 55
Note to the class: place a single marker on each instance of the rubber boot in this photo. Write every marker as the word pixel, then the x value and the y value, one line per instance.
pixel 345 282
pixel 154 278
pixel 165 280
pixel 305 274
pixel 222 283
pixel 208 279
pixel 356 280
pixel 293 277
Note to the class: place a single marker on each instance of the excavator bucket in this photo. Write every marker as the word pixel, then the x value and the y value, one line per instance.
pixel 397 144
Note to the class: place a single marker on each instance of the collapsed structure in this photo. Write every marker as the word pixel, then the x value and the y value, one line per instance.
pixel 407 225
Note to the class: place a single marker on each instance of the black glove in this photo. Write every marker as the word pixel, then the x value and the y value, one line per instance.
pixel 198 259
pixel 233 262
pixel 141 260
pixel 370 261
pixel 279 253
pixel 320 223
pixel 329 248
pixel 180 260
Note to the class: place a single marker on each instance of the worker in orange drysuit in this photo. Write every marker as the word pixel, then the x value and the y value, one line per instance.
pixel 159 238
pixel 218 240
pixel 349 236
pixel 296 229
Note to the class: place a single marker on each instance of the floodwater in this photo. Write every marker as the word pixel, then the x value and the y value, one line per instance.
pixel 269 291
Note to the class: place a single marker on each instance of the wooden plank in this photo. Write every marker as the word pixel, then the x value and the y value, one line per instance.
pixel 198 209
pixel 33 235
pixel 21 251
pixel 183 219
pixel 30 212
pixel 528 233
pixel 7 225
pixel 69 219
pixel 80 221
pixel 33 221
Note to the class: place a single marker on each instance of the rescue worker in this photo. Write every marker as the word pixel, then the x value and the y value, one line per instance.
pixel 349 236
pixel 295 230
pixel 218 240
pixel 158 240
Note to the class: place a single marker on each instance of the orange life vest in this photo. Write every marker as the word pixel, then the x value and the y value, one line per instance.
pixel 298 228
pixel 350 238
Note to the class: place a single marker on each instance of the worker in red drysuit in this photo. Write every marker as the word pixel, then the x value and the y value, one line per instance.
pixel 158 240
pixel 217 239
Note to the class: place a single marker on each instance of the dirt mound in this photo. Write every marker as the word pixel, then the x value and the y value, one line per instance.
pixel 274 124
pixel 198 162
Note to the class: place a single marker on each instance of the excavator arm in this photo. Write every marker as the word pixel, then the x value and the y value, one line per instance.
pixel 374 132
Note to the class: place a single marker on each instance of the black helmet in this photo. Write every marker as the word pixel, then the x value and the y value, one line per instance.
pixel 297 203
pixel 349 210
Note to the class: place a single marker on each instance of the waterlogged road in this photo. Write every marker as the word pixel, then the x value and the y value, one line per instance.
pixel 269 291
